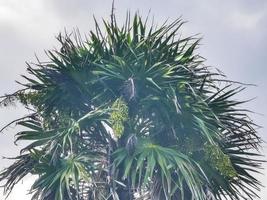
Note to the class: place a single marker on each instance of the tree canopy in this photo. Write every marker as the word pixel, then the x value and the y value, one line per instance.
pixel 133 112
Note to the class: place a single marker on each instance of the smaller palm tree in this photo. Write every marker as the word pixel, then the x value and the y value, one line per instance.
pixel 133 113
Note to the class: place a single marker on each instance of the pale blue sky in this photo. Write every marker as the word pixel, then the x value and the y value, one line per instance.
pixel 234 40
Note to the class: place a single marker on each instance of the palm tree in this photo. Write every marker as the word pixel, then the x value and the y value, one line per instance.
pixel 132 112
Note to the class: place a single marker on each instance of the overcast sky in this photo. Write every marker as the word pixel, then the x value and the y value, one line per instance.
pixel 234 40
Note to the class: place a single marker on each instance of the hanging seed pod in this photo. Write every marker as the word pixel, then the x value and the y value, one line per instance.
pixel 219 160
pixel 131 144
pixel 118 116
pixel 129 90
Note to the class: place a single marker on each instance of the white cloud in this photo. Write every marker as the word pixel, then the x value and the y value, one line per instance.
pixel 246 21
pixel 21 190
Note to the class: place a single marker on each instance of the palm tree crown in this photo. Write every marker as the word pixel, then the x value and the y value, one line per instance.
pixel 132 112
